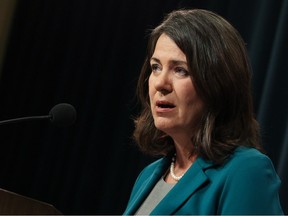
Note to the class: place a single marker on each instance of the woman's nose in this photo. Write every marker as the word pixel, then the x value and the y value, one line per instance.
pixel 163 83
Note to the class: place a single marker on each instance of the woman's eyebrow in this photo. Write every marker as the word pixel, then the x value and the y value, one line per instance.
pixel 154 59
pixel 178 62
pixel 174 62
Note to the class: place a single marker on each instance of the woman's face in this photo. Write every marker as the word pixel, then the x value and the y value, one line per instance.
pixel 175 106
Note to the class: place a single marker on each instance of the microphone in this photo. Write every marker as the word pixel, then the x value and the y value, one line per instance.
pixel 62 115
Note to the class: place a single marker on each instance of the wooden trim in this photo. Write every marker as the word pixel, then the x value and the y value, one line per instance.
pixel 7 8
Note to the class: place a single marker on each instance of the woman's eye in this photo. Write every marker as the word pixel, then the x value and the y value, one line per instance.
pixel 181 71
pixel 155 67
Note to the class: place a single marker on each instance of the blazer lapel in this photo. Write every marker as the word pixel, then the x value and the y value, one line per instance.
pixel 189 183
pixel 147 186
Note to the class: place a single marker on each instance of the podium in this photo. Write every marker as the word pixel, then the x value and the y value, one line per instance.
pixel 14 204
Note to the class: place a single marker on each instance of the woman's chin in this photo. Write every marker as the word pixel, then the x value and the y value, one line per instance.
pixel 166 127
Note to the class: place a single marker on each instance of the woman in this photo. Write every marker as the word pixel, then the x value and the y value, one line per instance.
pixel 198 114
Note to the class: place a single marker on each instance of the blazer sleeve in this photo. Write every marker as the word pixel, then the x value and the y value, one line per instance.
pixel 251 188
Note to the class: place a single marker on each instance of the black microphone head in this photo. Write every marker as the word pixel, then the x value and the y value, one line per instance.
pixel 63 114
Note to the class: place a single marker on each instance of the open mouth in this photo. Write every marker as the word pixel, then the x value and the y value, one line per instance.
pixel 164 105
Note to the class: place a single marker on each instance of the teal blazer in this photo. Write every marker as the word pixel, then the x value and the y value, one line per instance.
pixel 245 184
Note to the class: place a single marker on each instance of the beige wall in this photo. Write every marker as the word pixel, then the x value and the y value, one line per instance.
pixel 6 14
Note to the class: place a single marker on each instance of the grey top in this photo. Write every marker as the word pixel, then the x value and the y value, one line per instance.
pixel 156 195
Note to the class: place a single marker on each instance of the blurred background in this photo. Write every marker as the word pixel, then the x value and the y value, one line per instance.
pixel 88 53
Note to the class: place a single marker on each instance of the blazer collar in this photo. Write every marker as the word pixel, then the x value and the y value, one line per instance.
pixel 184 188
pixel 179 193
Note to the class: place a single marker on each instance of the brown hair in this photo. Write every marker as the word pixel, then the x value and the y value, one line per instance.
pixel 218 64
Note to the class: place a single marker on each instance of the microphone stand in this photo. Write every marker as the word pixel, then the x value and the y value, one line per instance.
pixel 24 119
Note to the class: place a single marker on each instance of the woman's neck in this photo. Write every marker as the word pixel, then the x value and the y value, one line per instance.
pixel 183 159
pixel 185 152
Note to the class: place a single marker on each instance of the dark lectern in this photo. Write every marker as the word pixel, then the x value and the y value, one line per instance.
pixel 15 204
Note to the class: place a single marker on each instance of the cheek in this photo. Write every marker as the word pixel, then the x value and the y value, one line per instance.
pixel 187 93
pixel 191 101
pixel 151 90
pixel 195 108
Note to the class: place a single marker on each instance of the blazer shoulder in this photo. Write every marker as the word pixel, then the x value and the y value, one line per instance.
pixel 249 156
pixel 250 184
pixel 152 167
pixel 149 169
pixel 249 164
